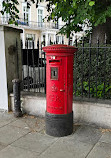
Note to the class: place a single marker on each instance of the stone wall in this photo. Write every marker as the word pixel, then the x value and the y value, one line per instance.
pixel 84 112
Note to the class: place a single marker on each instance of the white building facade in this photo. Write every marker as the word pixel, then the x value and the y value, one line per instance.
pixel 34 25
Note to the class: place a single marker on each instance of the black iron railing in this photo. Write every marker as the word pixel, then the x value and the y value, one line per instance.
pixel 92 70
pixel 33 69
pixel 31 24
pixel 41 25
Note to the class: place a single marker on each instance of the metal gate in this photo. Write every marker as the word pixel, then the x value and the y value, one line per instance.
pixel 33 69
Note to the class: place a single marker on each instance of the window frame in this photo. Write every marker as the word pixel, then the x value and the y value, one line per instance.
pixel 40 8
pixel 29 12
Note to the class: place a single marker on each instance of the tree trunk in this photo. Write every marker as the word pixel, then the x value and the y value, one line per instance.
pixel 101 32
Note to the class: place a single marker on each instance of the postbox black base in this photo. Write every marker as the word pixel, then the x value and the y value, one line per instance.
pixel 59 125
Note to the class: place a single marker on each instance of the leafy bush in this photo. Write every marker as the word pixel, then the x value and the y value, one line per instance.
pixel 92 72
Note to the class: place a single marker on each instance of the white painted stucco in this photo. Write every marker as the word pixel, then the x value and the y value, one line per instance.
pixel 3 76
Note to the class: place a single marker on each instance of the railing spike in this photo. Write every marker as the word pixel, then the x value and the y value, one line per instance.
pixel 69 41
pixel 90 37
pixel 32 44
pixel 41 45
pixel 62 41
pixel 105 39
pixel 38 43
pixel 56 41
pixel 76 41
pixel 50 41
pixel 27 43
pixel 83 42
pixel 98 41
pixel 21 44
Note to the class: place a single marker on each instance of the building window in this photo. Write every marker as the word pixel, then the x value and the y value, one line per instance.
pixel 5 18
pixel 30 38
pixel 26 14
pixel 56 23
pixel 71 41
pixel 59 39
pixel 40 18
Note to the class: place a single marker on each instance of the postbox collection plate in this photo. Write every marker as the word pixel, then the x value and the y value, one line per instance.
pixel 54 73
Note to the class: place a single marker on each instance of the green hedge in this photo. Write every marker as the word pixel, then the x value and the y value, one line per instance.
pixel 93 66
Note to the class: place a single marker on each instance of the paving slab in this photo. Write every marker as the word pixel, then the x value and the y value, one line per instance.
pixel 35 123
pixel 106 137
pixel 25 137
pixel 85 134
pixel 2 146
pixel 9 134
pixel 15 152
pixel 6 118
pixel 19 123
pixel 77 145
pixel 31 123
pixel 67 149
pixel 35 142
pixel 101 150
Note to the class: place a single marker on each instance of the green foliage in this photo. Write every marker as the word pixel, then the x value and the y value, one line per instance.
pixel 101 89
pixel 92 68
pixel 73 12
pixel 91 3
pixel 77 12
pixel 10 7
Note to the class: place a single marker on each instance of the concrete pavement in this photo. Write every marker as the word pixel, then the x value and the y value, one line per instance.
pixel 25 138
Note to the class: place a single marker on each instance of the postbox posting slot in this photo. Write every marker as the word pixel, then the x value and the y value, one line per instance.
pixel 54 61
pixel 54 73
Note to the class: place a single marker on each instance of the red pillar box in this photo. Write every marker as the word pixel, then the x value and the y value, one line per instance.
pixel 59 89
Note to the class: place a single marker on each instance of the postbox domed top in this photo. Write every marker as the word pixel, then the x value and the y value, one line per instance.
pixel 60 48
